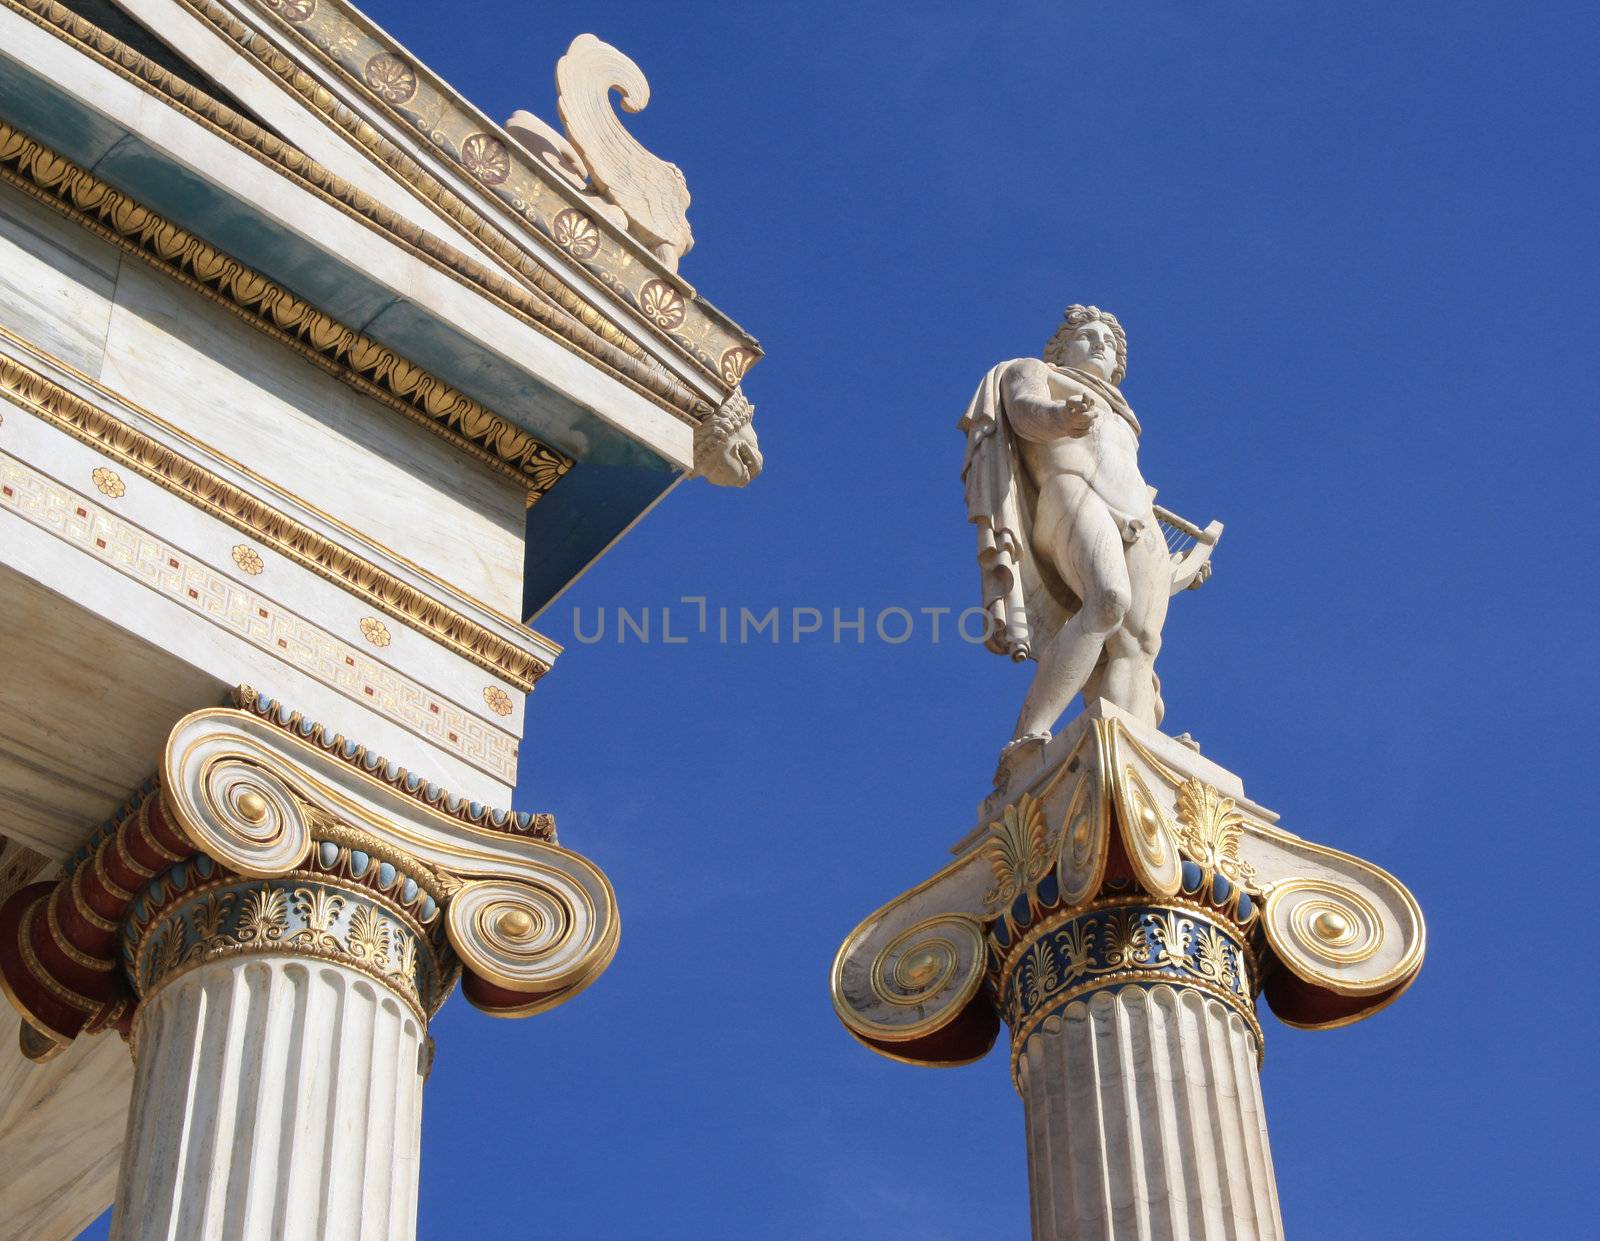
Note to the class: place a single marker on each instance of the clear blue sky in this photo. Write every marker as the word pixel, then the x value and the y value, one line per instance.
pixel 1355 249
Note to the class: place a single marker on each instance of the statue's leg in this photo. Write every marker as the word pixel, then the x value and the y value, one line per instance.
pixel 1084 544
pixel 1095 686
pixel 1131 650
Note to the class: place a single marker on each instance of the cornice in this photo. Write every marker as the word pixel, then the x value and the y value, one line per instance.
pixel 550 307
pixel 536 825
pixel 346 44
pixel 357 360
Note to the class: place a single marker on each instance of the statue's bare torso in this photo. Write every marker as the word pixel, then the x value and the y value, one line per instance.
pixel 1093 523
pixel 1105 457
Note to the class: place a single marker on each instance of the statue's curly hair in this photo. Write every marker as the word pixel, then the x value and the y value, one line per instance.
pixel 1074 318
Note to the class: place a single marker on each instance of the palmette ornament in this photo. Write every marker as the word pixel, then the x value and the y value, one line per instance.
pixel 1119 817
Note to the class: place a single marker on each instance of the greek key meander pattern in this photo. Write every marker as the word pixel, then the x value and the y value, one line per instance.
pixel 106 433
pixel 1120 944
pixel 208 592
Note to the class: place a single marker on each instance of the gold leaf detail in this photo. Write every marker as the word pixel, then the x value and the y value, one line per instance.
pixel 108 484
pixel 169 952
pixel 330 345
pixel 265 917
pixel 1209 828
pixel 499 701
pixel 374 631
pixel 486 158
pixel 1126 946
pixel 1016 851
pixel 1168 938
pixel 1212 960
pixel 248 559
pixel 320 908
pixel 1042 975
pixel 391 77
pixel 735 362
pixel 1077 945
pixel 206 918
pixel 662 304
pixel 407 967
pixel 370 935
pixel 576 233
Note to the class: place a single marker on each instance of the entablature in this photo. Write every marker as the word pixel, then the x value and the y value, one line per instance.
pixel 605 366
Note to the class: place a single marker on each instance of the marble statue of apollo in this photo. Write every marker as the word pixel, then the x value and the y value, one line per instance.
pixel 1076 569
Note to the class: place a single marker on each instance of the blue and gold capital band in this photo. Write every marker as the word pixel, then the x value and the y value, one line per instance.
pixel 266 834
pixel 347 907
pixel 1126 941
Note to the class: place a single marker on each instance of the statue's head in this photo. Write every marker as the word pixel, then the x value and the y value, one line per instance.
pixel 1090 339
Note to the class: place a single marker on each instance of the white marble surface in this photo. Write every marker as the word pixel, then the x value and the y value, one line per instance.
pixel 651 192
pixel 1145 1122
pixel 56 281
pixel 61 1126
pixel 1075 571
pixel 209 156
pixel 218 59
pixel 31 439
pixel 274 1098
pixel 195 646
pixel 218 637
pixel 85 708
pixel 219 380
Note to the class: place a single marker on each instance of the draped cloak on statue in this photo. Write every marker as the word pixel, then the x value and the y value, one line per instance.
pixel 1026 600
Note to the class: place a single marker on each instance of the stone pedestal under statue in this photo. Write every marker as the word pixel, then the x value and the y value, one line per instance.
pixel 1120 907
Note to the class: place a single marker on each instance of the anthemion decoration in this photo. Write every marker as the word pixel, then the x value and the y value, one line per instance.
pixel 316 387
pixel 1120 904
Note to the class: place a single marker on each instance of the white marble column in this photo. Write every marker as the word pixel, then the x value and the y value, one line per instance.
pixel 274 1097
pixel 1122 914
pixel 1145 1121
pixel 280 1046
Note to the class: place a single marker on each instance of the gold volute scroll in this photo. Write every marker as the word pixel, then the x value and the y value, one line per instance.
pixel 1346 936
pixel 533 923
pixel 917 997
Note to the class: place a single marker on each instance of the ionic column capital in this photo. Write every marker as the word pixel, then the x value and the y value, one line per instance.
pixel 253 804
pixel 533 923
pixel 345 906
pixel 1120 860
pixel 1127 939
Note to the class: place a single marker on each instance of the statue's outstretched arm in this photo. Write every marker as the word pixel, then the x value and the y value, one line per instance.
pixel 1036 415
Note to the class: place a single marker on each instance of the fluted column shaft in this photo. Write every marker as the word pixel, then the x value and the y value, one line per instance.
pixel 274 1097
pixel 1122 915
pixel 280 1046
pixel 1145 1121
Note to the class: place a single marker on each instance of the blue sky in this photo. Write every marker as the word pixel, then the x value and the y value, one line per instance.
pixel 1354 247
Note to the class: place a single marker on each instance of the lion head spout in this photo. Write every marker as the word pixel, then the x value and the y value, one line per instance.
pixel 725 449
